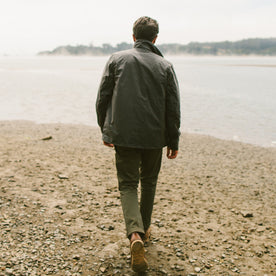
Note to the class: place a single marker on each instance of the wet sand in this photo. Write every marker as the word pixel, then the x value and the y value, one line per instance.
pixel 60 210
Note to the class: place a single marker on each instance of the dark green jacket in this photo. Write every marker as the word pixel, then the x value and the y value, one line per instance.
pixel 138 102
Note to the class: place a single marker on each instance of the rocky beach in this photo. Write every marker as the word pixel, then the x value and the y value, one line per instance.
pixel 60 213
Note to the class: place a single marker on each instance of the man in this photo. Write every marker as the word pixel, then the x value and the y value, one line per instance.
pixel 138 110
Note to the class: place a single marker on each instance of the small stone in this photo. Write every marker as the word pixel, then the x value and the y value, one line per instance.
pixel 178 268
pixel 102 227
pixel 47 138
pixel 62 176
pixel 102 269
pixel 246 214
pixel 261 229
pixel 76 257
pixel 197 269
pixel 9 271
pixel 208 266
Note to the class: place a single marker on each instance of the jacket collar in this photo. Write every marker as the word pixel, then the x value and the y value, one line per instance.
pixel 145 44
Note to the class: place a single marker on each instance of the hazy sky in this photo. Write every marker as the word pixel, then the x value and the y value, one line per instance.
pixel 30 26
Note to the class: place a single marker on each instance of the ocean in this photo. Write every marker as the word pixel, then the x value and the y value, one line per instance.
pixel 232 98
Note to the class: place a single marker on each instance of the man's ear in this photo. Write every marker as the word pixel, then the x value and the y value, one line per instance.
pixel 134 38
pixel 154 40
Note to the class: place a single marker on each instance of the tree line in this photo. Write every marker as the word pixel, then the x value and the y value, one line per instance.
pixel 252 46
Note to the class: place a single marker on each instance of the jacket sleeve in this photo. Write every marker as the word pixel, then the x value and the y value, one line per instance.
pixel 105 92
pixel 172 110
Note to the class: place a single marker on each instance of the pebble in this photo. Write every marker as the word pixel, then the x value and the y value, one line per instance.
pixel 197 269
pixel 76 257
pixel 47 138
pixel 106 228
pixel 9 271
pixel 246 214
pixel 102 269
pixel 63 176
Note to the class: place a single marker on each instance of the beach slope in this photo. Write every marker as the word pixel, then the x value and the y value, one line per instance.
pixel 60 211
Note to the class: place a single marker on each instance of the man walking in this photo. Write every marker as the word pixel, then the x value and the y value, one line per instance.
pixel 138 111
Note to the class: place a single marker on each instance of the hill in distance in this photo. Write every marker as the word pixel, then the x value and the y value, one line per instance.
pixel 252 46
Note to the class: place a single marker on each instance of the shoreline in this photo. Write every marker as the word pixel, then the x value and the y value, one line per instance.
pixel 268 57
pixel 272 145
pixel 214 211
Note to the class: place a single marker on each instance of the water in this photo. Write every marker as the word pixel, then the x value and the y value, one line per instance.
pixel 227 97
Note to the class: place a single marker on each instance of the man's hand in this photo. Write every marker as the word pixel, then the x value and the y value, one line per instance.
pixel 108 144
pixel 171 154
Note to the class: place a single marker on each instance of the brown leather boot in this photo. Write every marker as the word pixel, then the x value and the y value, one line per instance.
pixel 146 237
pixel 138 260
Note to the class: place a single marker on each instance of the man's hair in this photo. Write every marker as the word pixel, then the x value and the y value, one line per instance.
pixel 145 28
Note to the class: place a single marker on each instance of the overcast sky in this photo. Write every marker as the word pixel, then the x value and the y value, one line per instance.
pixel 30 26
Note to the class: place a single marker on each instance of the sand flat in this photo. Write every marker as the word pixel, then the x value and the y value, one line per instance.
pixel 60 212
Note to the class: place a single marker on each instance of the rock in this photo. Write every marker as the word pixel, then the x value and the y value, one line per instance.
pixel 102 227
pixel 102 269
pixel 9 270
pixel 208 266
pixel 76 257
pixel 47 138
pixel 111 227
pixel 246 214
pixel 261 229
pixel 197 269
pixel 62 176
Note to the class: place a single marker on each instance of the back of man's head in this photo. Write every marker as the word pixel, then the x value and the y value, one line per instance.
pixel 145 28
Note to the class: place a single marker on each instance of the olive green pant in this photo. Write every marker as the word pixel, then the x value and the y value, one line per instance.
pixel 133 165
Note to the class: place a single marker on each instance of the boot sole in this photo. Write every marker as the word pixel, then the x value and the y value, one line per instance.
pixel 138 261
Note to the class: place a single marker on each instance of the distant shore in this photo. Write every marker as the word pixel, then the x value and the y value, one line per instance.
pixel 60 209
pixel 251 46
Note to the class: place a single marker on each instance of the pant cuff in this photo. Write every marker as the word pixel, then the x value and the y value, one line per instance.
pixel 132 230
